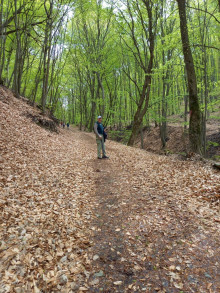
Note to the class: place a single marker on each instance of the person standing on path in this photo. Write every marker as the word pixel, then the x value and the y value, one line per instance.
pixel 99 131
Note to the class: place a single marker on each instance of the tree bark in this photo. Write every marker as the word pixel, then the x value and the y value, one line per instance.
pixel 145 93
pixel 103 93
pixel 185 111
pixel 195 116
pixel 17 55
pixel 47 54
pixel 93 100
pixel 2 43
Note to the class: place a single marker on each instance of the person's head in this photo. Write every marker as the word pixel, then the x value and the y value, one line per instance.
pixel 99 119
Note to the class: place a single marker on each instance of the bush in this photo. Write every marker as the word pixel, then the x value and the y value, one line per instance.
pixel 120 135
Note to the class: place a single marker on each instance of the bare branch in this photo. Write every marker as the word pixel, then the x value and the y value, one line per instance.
pixel 134 81
pixel 199 9
pixel 206 46
pixel 21 28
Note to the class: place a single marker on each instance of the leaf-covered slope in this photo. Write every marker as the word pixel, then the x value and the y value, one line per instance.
pixel 44 187
pixel 138 222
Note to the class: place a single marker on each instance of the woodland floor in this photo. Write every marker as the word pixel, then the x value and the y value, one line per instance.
pixel 177 141
pixel 137 222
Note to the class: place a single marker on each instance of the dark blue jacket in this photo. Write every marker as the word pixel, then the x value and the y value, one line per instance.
pixel 100 128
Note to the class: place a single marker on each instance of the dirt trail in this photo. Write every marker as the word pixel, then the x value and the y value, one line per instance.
pixel 150 234
pixel 138 222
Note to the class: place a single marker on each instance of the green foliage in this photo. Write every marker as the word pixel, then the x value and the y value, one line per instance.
pixel 211 144
pixel 94 66
pixel 216 158
pixel 215 117
pixel 120 135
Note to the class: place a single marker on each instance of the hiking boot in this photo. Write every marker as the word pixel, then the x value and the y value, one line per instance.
pixel 105 157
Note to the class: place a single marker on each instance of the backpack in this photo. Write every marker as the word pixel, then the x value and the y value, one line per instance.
pixel 105 135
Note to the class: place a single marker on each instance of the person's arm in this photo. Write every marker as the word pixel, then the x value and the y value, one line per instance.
pixel 96 130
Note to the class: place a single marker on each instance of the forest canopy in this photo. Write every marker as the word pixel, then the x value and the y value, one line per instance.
pixel 120 59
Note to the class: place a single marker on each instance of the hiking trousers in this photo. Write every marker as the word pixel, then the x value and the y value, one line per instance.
pixel 100 146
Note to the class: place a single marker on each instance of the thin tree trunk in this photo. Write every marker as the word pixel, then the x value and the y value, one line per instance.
pixel 47 55
pixel 163 128
pixel 142 137
pixel 23 54
pixel 206 103
pixel 185 112
pixel 37 80
pixel 145 94
pixel 103 93
pixel 2 44
pixel 17 56
pixel 92 90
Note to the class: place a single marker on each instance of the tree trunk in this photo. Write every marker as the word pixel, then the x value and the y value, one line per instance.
pixel 138 117
pixel 195 116
pixel 92 119
pixel 17 56
pixel 142 137
pixel 103 93
pixel 145 93
pixel 92 89
pixel 2 44
pixel 185 112
pixel 47 54
pixel 206 104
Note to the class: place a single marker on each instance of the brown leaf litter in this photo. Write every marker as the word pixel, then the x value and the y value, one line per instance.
pixel 138 222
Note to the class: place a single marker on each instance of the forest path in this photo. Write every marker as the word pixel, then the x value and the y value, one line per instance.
pixel 150 234
pixel 138 222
